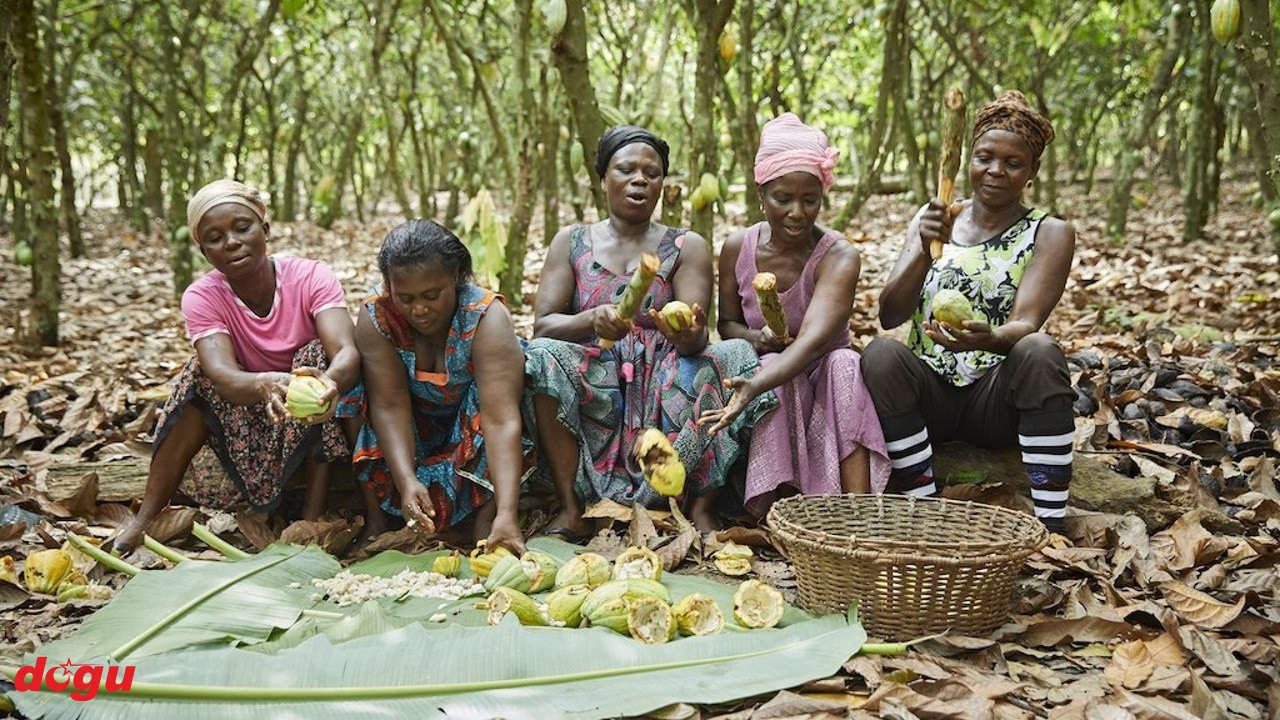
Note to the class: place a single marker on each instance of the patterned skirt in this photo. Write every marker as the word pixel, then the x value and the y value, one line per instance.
pixel 607 398
pixel 255 457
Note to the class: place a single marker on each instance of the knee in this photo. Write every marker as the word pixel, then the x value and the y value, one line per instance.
pixel 1038 348
pixel 884 357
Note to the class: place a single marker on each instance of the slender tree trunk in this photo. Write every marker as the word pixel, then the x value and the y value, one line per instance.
pixel 709 18
pixel 53 95
pixel 748 139
pixel 526 138
pixel 45 284
pixel 133 207
pixel 1195 203
pixel 346 161
pixel 289 203
pixel 873 157
pixel 153 174
pixel 383 28
pixel 569 51
pixel 1176 35
pixel 550 180
pixel 1256 50
pixel 7 10
pixel 176 164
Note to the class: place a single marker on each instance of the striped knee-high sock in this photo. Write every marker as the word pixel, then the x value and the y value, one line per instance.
pixel 1046 443
pixel 910 454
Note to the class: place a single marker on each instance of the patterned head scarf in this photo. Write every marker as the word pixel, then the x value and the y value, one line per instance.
pixel 620 136
pixel 218 193
pixel 1011 112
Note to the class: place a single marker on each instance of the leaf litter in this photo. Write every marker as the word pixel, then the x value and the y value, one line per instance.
pixel 1173 353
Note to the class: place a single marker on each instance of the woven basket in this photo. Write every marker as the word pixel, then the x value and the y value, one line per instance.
pixel 916 566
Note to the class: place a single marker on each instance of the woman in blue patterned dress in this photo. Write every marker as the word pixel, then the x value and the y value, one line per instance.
pixel 591 403
pixel 444 376
pixel 996 381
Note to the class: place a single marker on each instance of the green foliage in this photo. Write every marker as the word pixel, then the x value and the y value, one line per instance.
pixel 485 235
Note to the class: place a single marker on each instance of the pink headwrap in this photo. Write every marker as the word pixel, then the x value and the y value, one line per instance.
pixel 788 145
pixel 220 192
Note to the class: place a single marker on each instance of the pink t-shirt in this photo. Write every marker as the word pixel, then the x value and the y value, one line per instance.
pixel 304 289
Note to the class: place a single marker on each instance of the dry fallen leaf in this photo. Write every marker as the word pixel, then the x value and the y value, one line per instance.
pixel 1200 608
pixel 1130 665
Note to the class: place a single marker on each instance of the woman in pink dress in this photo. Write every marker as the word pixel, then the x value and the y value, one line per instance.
pixel 824 436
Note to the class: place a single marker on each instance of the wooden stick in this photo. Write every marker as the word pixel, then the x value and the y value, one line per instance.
pixel 633 296
pixel 952 146
pixel 766 287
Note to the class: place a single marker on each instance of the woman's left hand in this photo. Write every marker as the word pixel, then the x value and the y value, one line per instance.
pixel 505 531
pixel 743 393
pixel 680 336
pixel 329 398
pixel 975 335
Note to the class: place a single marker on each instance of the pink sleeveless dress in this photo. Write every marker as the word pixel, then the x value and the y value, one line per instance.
pixel 824 414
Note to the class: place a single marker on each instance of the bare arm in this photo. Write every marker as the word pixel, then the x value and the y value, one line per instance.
pixel 390 412
pixel 552 311
pixel 901 293
pixel 499 377
pixel 730 321
pixel 836 283
pixel 691 283
pixel 238 386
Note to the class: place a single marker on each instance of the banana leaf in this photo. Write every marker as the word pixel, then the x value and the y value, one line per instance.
pixel 503 671
pixel 197 603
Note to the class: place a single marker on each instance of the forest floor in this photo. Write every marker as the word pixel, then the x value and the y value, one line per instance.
pixel 1174 353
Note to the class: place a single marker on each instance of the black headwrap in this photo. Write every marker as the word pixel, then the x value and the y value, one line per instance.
pixel 619 136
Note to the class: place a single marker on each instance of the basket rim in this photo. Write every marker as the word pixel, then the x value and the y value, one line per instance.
pixel 875 546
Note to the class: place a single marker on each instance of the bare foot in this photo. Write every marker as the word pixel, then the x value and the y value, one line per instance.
pixel 570 526
pixel 704 520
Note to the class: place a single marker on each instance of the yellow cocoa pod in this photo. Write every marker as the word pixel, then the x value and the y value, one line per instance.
pixel 678 315
pixel 659 462
pixel 447 565
pixel 951 307
pixel 44 571
pixel 698 614
pixel 728 47
pixel 590 569
pixel 637 562
pixel 482 562
pixel 733 559
pixel 757 605
pixel 1224 18
pixel 697 199
pixel 302 400
pixel 650 621
pixel 506 600
pixel 555 12
pixel 710 186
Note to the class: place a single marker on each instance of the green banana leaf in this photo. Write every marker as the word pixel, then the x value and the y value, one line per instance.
pixel 197 603
pixel 210 638
pixel 505 671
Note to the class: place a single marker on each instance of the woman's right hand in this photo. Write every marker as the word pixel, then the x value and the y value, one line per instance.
pixel 606 324
pixel 743 393
pixel 934 224
pixel 415 504
pixel 765 342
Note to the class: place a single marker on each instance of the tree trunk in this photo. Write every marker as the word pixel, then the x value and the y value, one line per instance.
pixel 550 180
pixel 1256 50
pixel 526 138
pixel 1176 35
pixel 346 161
pixel 569 51
pixel 248 46
pixel 7 9
pixel 45 287
pixel 383 28
pixel 53 95
pixel 708 18
pixel 1257 139
pixel 153 174
pixel 289 203
pixel 748 135
pixel 176 164
pixel 1195 202
pixel 133 205
pixel 873 156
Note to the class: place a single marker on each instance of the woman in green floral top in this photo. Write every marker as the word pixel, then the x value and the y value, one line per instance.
pixel 996 380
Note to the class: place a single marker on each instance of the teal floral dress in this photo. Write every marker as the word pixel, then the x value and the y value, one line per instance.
pixel 449 451
pixel 608 397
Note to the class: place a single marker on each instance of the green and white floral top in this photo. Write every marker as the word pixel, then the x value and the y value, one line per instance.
pixel 988 274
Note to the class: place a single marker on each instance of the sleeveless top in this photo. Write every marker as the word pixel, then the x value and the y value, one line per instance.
pixel 795 299
pixel 988 274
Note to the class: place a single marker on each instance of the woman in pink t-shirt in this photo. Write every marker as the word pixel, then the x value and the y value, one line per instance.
pixel 255 321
